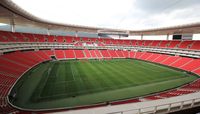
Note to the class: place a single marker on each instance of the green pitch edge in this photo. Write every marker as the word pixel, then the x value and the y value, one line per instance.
pixel 76 83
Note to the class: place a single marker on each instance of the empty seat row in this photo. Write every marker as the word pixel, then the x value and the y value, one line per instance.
pixel 28 37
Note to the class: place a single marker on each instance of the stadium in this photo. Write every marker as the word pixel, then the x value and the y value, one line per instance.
pixel 54 67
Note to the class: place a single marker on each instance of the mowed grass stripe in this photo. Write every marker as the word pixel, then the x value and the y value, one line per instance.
pixel 89 76
pixel 96 76
pixel 129 72
pixel 110 76
pixel 115 74
pixel 101 77
pixel 78 83
pixel 48 81
pixel 134 72
pixel 74 83
pixel 147 75
pixel 117 94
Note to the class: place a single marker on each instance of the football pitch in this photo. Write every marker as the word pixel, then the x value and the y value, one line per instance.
pixel 58 84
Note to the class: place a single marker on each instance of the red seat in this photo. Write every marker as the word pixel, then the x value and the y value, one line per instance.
pixel 79 54
pixel 59 54
pixel 69 54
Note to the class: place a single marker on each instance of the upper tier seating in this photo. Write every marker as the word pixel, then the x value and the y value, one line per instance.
pixel 185 44
pixel 77 41
pixel 195 45
pixel 147 43
pixel 174 44
pixel 154 43
pixel 164 44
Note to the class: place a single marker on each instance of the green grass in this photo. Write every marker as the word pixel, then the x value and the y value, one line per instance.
pixel 73 83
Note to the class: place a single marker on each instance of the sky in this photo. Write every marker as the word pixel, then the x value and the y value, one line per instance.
pixel 118 14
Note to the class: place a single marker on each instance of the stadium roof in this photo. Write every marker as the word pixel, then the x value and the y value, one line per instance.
pixel 12 13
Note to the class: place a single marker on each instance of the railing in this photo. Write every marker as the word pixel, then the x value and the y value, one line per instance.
pixel 162 109
pixel 7 47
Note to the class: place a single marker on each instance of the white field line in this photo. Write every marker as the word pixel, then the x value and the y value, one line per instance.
pixel 72 71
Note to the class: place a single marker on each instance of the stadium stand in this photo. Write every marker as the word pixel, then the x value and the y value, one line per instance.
pixel 181 61
pixel 120 54
pixel 93 54
pixel 98 54
pixel 174 44
pixel 113 53
pixel 105 54
pixel 161 58
pixel 69 54
pixel 197 71
pixel 20 64
pixel 59 54
pixel 185 44
pixel 164 44
pixel 126 54
pixel 192 65
pixel 155 43
pixel 79 54
pixel 170 60
pixel 196 45
pixel 49 53
pixel 14 64
pixel 27 37
pixel 87 53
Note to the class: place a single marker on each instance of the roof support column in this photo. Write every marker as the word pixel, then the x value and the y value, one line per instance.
pixel 141 36
pixel 76 34
pixel 48 33
pixel 167 37
pixel 12 23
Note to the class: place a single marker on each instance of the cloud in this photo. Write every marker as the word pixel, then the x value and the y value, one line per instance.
pixel 162 13
pixel 160 6
pixel 123 14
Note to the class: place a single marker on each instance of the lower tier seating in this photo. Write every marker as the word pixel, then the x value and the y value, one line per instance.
pixel 59 54
pixel 79 54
